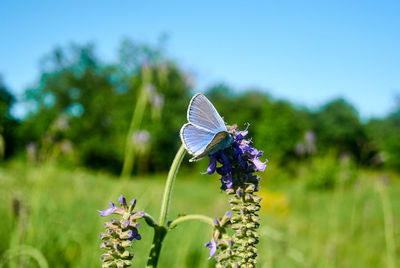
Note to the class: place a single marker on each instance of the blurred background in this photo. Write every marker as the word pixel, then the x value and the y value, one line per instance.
pixel 93 95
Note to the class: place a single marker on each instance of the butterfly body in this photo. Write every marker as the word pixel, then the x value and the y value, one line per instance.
pixel 206 132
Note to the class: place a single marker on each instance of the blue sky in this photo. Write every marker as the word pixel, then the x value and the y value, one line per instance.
pixel 304 51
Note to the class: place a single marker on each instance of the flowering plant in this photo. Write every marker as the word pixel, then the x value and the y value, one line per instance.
pixel 236 164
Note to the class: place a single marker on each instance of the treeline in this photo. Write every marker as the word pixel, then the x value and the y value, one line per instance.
pixel 81 108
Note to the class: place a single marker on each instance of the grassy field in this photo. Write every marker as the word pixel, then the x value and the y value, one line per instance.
pixel 48 216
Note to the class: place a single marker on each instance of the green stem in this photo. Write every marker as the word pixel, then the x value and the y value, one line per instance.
pixel 199 217
pixel 150 220
pixel 136 121
pixel 169 185
pixel 159 235
pixel 160 230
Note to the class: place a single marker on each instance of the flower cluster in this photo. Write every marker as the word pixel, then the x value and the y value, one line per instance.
pixel 237 165
pixel 120 233
pixel 239 159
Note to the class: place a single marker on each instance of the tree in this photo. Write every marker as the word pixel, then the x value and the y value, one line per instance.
pixel 8 124
pixel 338 128
pixel 385 134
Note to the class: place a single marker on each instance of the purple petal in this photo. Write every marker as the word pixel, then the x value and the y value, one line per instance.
pixel 212 246
pixel 134 235
pixel 108 211
pixel 138 237
pixel 229 214
pixel 226 181
pixel 125 224
pixel 212 165
pixel 122 200
pixel 216 221
pixel 243 133
pixel 225 160
pixel 260 166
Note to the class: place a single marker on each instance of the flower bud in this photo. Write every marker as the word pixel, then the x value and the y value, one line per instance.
pixel 106 257
pixel 253 208
pixel 250 188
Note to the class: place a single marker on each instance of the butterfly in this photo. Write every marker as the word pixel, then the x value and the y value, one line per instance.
pixel 205 133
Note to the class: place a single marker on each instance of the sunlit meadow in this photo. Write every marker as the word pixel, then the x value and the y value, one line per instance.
pixel 52 214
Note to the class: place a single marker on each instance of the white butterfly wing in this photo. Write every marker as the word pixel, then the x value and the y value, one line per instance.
pixel 195 139
pixel 202 113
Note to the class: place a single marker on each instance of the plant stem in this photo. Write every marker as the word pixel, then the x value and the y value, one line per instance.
pixel 150 220
pixel 199 217
pixel 136 121
pixel 160 230
pixel 169 185
pixel 159 234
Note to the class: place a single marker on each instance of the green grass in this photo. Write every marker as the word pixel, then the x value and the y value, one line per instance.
pixel 336 228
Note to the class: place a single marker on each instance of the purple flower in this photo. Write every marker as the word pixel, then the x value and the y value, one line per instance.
pixel 125 224
pixel 260 166
pixel 212 246
pixel 240 159
pixel 216 221
pixel 135 235
pixel 229 214
pixel 226 181
pixel 213 164
pixel 237 165
pixel 120 232
pixel 108 211
pixel 122 200
pixel 241 134
pixel 157 100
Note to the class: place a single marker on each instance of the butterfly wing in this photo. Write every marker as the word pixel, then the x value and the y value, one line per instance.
pixel 195 139
pixel 202 113
pixel 220 141
pixel 199 142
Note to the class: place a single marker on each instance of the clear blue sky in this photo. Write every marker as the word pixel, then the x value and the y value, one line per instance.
pixel 305 51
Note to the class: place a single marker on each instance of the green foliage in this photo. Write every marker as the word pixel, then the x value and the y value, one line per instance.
pixel 385 134
pixel 328 172
pixel 322 174
pixel 278 131
pixel 337 125
pixel 81 108
pixel 8 137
